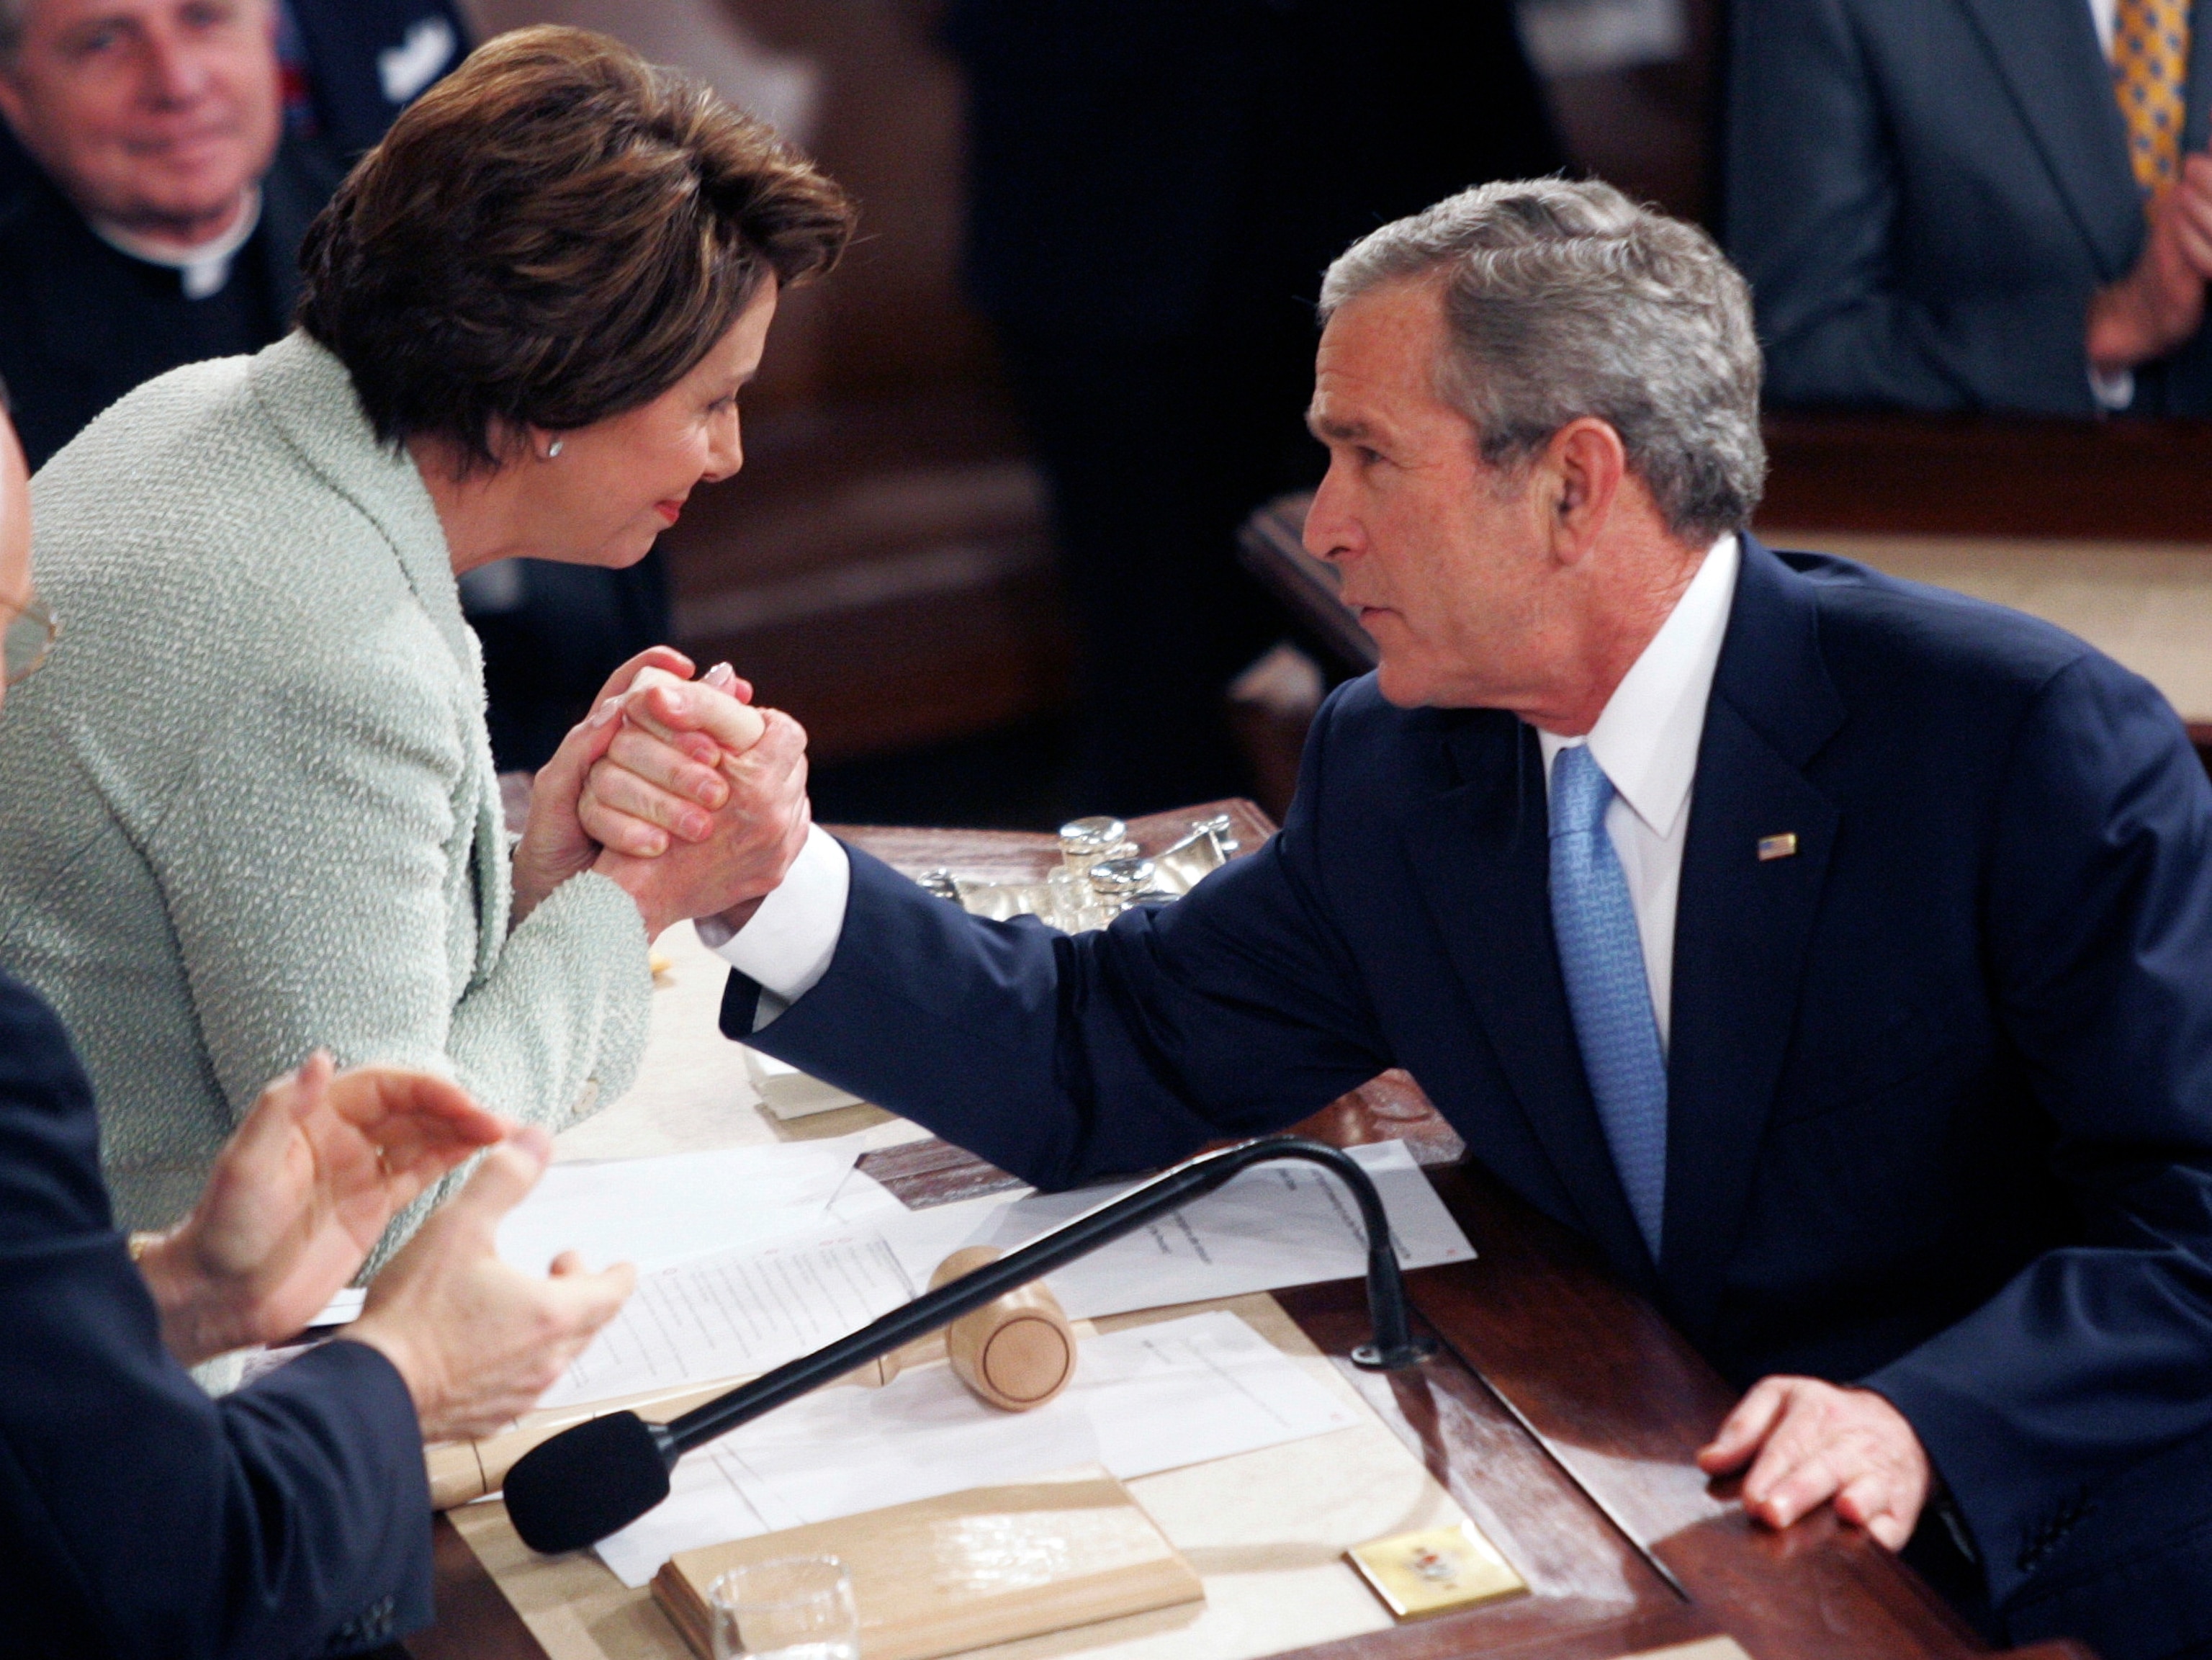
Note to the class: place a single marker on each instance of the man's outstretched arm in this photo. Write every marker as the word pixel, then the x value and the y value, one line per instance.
pixel 1235 1011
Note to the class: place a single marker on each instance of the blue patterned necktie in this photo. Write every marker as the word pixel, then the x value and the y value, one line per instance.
pixel 1602 958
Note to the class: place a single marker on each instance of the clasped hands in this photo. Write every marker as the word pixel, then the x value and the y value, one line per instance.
pixel 679 790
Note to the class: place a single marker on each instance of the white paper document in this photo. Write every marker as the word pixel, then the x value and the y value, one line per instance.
pixel 1152 1398
pixel 737 1312
pixel 659 1212
pixel 1285 1224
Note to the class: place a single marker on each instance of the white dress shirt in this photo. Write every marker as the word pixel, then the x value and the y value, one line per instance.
pixel 2117 391
pixel 2104 14
pixel 1646 740
pixel 201 271
pixel 787 945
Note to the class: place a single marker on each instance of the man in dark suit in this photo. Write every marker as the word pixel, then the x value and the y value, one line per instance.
pixel 165 225
pixel 137 1516
pixel 1942 204
pixel 1835 953
pixel 158 219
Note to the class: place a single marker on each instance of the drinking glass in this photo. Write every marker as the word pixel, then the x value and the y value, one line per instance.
pixel 795 1607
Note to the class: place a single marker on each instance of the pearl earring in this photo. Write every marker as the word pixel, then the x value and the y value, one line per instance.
pixel 555 449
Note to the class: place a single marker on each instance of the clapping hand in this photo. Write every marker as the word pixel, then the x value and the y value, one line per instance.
pixel 2160 303
pixel 475 1341
pixel 300 1194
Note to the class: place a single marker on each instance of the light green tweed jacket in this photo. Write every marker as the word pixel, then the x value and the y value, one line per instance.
pixel 248 806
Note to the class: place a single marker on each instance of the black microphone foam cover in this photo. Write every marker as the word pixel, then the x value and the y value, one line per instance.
pixel 588 1482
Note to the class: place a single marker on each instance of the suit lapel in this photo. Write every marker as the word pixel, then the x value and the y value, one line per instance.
pixel 1481 854
pixel 2047 52
pixel 1744 924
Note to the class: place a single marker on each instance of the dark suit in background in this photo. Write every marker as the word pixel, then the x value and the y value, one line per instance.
pixel 1155 187
pixel 138 1517
pixel 361 62
pixel 367 60
pixel 1924 194
pixel 1940 1085
pixel 81 323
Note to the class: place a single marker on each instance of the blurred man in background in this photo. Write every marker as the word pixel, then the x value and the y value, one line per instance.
pixel 164 224
pixel 1976 205
pixel 1155 189
pixel 172 154
pixel 348 67
pixel 162 161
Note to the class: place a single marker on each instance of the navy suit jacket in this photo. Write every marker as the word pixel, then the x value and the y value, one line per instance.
pixel 138 1517
pixel 1925 194
pixel 1940 1083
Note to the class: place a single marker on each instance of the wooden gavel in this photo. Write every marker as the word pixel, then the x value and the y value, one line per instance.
pixel 1016 1353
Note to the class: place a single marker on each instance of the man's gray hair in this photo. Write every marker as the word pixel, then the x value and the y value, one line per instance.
pixel 1564 299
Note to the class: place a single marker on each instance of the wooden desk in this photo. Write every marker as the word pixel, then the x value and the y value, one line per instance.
pixel 1986 476
pixel 1586 1469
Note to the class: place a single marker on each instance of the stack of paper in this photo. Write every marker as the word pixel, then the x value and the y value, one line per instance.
pixel 737 1313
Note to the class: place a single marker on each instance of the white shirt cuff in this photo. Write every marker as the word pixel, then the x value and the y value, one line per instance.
pixel 2114 392
pixel 787 945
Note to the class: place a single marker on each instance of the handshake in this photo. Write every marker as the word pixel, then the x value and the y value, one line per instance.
pixel 679 790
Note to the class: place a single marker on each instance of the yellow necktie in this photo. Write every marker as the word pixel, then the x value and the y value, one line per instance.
pixel 2150 68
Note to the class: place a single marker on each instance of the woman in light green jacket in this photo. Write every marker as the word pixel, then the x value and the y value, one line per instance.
pixel 248 808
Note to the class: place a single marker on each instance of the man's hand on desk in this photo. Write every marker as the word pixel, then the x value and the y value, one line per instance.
pixel 475 1341
pixel 646 796
pixel 1809 1443
pixel 300 1194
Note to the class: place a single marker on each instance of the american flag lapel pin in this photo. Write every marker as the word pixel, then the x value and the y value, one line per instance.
pixel 1783 846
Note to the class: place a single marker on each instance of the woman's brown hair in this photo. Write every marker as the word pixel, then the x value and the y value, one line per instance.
pixel 554 233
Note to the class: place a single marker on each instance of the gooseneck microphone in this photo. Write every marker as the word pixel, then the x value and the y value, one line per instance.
pixel 600 1476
